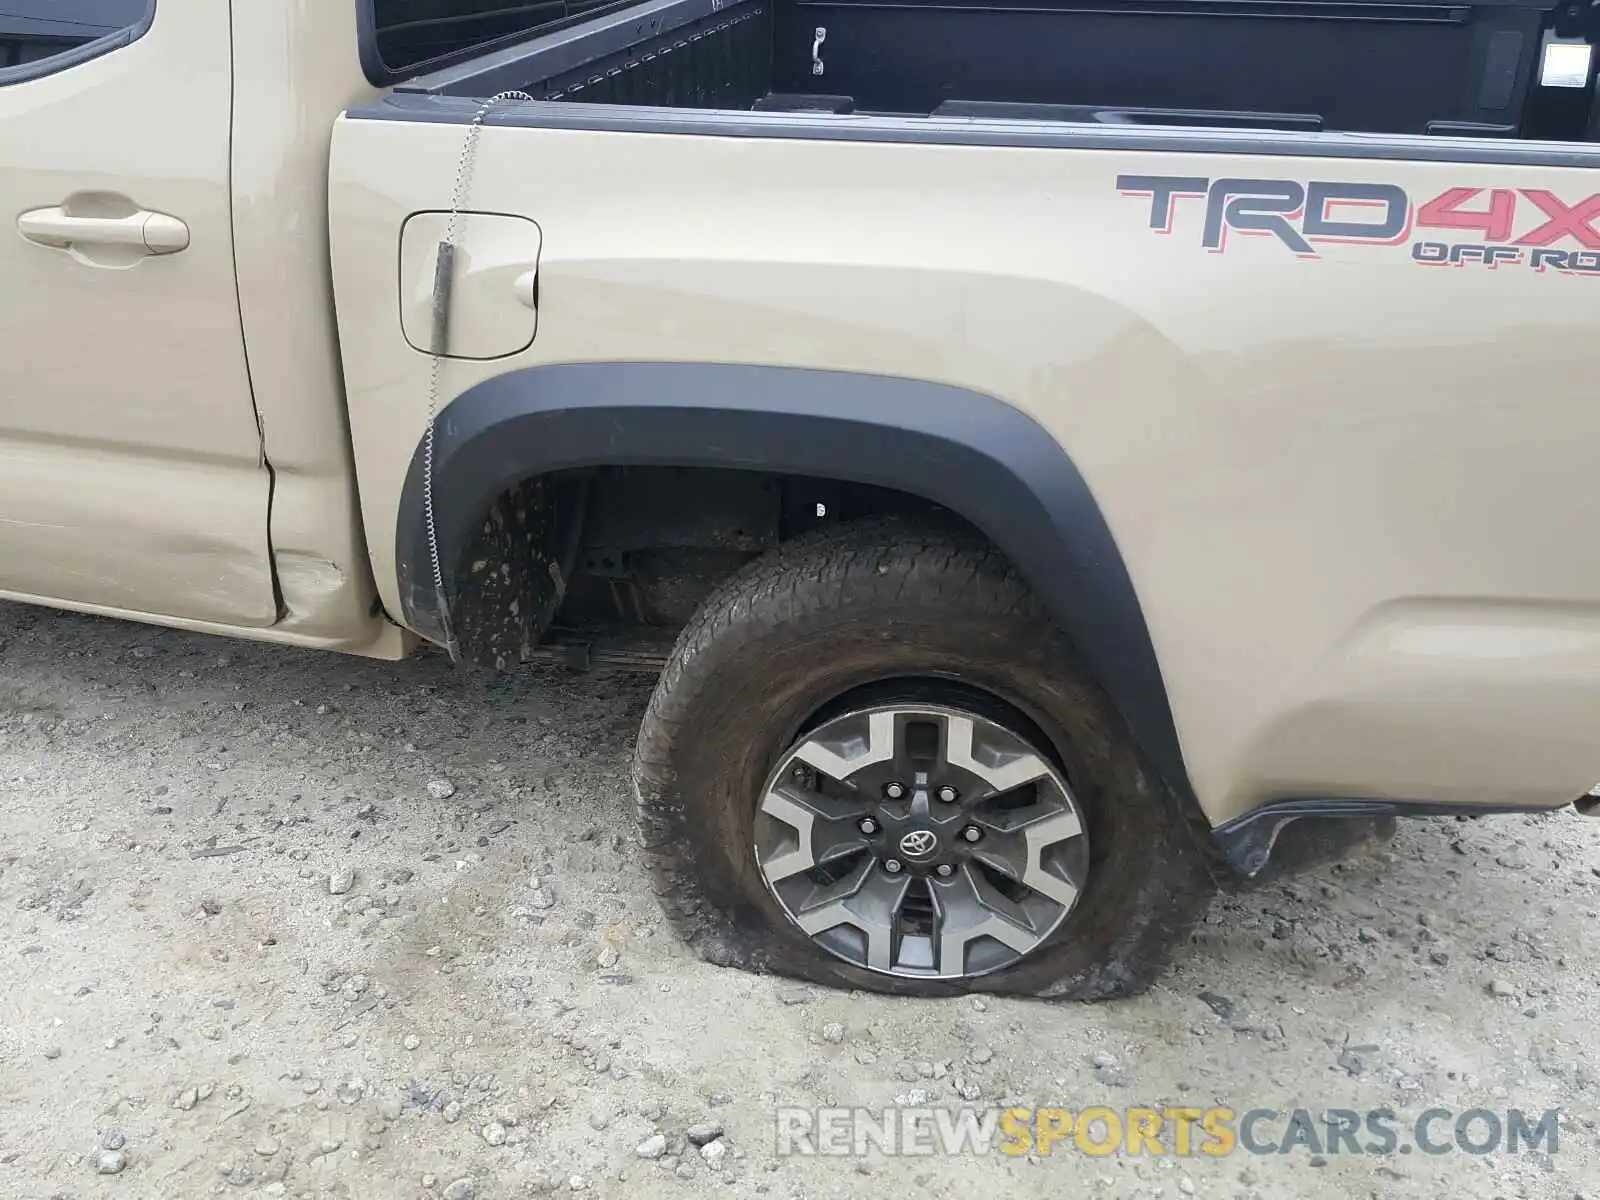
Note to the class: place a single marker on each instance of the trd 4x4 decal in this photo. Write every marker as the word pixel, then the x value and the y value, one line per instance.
pixel 1529 227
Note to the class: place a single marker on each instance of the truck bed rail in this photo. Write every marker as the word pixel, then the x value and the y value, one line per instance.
pixel 1420 68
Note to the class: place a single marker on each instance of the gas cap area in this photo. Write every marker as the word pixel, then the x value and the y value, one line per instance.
pixel 487 293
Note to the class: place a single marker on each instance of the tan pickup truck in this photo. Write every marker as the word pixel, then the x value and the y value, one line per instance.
pixel 1060 456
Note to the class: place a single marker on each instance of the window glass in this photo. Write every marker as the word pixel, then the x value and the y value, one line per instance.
pixel 33 32
pixel 408 33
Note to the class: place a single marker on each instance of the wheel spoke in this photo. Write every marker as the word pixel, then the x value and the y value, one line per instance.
pixel 968 907
pixel 832 895
pixel 824 829
pixel 1002 770
pixel 873 908
pixel 1015 820
pixel 1017 850
pixel 1041 835
pixel 1005 852
pixel 839 758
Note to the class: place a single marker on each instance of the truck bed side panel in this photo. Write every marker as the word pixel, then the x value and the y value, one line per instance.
pixel 1341 467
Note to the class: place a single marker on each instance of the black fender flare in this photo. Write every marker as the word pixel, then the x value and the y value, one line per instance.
pixel 971 453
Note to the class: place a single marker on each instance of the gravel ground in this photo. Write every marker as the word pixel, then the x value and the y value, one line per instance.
pixel 279 923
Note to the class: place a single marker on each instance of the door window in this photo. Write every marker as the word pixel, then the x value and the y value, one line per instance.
pixel 38 37
pixel 400 37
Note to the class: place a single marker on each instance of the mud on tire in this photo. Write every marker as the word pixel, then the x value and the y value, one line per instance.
pixel 871 606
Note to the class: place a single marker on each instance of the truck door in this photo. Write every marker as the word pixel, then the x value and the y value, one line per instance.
pixel 131 473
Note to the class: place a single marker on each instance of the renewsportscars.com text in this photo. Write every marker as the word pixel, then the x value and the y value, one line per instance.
pixel 1183 1132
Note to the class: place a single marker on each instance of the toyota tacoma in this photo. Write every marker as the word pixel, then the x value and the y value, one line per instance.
pixel 1061 458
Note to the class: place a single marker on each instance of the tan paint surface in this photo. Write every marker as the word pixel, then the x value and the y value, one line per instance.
pixel 389 643
pixel 496 258
pixel 297 69
pixel 130 463
pixel 1352 493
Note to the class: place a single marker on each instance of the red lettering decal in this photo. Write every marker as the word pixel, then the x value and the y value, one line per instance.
pixel 1445 212
pixel 1563 221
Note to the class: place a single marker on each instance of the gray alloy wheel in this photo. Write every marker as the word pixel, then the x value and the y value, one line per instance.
pixel 921 840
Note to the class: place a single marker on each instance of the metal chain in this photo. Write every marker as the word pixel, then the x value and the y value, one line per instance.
pixel 447 247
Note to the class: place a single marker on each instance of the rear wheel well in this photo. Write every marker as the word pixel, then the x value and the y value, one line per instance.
pixel 629 553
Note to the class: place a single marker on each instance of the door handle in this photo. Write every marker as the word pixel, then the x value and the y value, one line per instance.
pixel 141 232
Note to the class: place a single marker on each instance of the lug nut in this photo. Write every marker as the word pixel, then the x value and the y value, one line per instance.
pixel 948 794
pixel 894 790
pixel 945 870
pixel 867 825
pixel 892 865
pixel 799 772
pixel 972 833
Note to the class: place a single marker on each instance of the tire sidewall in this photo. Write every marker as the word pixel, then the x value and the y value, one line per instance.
pixel 763 691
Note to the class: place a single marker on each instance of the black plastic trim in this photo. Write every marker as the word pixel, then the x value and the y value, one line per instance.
pixel 1105 114
pixel 851 127
pixel 1247 841
pixel 970 453
pixel 79 55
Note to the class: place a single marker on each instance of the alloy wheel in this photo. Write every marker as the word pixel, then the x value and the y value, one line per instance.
pixel 922 840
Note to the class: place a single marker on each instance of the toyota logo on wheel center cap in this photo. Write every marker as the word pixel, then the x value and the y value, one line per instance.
pixel 919 843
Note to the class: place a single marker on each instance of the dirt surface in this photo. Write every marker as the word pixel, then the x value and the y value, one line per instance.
pixel 280 923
